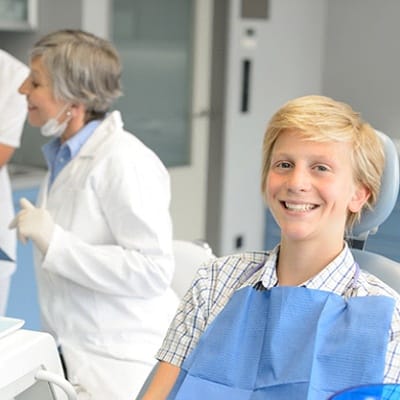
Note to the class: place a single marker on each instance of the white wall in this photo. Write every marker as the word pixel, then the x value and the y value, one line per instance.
pixel 96 17
pixel 362 63
pixel 347 49
pixel 287 53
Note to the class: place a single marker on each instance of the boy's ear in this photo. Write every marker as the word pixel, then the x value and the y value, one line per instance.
pixel 359 198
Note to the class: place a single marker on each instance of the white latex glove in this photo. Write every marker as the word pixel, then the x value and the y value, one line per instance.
pixel 33 223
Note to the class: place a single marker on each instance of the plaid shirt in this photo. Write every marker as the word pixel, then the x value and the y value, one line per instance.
pixel 215 284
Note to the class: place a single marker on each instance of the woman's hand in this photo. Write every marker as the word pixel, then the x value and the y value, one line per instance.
pixel 33 223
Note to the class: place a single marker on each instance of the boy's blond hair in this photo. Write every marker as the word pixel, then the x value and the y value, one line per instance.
pixel 323 119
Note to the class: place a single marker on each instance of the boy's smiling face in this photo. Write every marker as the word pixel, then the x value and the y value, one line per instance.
pixel 310 187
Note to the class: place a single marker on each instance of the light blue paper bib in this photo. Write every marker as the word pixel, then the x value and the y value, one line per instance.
pixel 288 343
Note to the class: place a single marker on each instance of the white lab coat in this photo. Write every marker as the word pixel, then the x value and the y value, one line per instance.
pixel 104 282
pixel 13 110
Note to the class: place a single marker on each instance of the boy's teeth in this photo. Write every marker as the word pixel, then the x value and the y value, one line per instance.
pixel 299 207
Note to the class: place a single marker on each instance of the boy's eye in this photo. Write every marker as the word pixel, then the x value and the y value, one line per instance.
pixel 284 164
pixel 321 168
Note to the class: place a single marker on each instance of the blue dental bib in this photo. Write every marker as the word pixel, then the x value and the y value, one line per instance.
pixel 288 343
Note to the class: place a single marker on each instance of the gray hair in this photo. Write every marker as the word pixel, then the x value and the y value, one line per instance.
pixel 82 67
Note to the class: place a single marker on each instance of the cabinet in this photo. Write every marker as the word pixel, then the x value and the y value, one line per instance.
pixel 18 15
pixel 23 300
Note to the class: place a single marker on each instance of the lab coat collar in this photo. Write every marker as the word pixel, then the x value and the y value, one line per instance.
pixel 111 125
pixel 105 131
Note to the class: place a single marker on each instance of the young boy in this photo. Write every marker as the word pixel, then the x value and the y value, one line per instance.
pixel 302 321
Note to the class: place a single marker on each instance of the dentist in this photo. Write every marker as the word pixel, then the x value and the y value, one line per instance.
pixel 101 229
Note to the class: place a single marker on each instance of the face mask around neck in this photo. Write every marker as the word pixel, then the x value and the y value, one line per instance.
pixel 54 128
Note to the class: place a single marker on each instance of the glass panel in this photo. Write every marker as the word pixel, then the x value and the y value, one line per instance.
pixel 13 11
pixel 154 40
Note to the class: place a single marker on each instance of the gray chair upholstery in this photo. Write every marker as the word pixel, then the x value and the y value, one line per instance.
pixel 386 269
pixel 372 219
pixel 382 267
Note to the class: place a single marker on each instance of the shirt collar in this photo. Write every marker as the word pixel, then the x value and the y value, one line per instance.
pixel 269 278
pixel 336 277
pixel 50 150
pixel 72 145
pixel 77 141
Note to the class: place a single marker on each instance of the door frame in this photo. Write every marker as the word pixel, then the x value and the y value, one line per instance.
pixel 188 182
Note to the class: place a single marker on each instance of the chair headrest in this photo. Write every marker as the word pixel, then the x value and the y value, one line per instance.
pixel 371 219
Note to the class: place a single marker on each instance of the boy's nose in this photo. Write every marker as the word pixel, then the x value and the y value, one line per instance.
pixel 299 180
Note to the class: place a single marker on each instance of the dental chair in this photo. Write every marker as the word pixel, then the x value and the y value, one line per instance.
pixel 189 255
pixel 382 267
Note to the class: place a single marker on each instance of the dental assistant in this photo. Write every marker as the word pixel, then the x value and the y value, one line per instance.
pixel 101 228
pixel 12 119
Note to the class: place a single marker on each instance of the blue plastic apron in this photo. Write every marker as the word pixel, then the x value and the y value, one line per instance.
pixel 288 343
